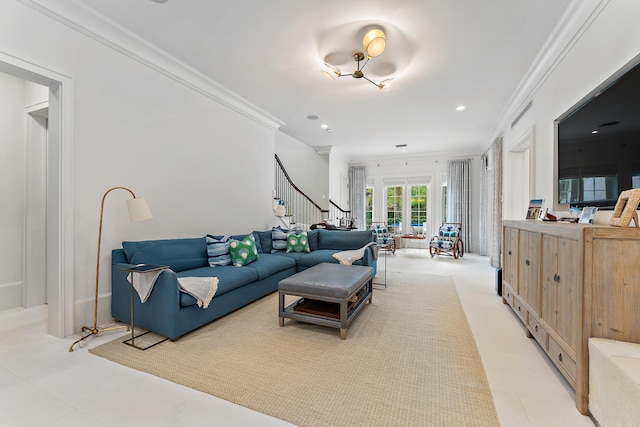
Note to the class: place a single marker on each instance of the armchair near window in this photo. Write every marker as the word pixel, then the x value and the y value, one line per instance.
pixel 448 240
pixel 383 237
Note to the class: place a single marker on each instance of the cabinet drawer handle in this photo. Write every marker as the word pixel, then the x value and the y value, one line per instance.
pixel 536 328
pixel 560 357
pixel 519 308
pixel 509 252
pixel 527 262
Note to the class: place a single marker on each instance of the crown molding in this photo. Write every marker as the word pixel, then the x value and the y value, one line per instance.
pixel 87 22
pixel 574 22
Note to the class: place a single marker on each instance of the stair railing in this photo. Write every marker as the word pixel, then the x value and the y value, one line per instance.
pixel 299 208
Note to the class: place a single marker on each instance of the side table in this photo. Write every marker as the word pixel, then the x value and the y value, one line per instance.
pixel 384 248
pixel 143 268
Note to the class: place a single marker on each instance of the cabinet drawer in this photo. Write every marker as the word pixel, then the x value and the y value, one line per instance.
pixel 562 359
pixel 538 332
pixel 507 294
pixel 520 310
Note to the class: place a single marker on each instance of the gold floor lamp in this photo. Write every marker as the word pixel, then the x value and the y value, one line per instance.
pixel 138 211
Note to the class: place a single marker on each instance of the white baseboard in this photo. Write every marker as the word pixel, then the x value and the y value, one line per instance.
pixel 83 312
pixel 10 295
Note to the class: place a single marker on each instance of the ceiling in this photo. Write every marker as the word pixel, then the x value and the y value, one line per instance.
pixel 442 54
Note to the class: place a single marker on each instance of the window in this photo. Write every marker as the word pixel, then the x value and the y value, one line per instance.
pixel 394 208
pixel 594 188
pixel 369 208
pixel 418 208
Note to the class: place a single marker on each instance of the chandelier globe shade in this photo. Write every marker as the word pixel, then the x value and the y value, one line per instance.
pixel 374 43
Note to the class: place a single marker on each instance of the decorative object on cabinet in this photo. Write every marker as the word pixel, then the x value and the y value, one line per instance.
pixel 625 209
pixel 542 214
pixel 138 211
pixel 534 208
pixel 586 216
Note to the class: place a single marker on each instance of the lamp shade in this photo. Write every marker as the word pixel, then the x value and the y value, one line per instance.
pixel 138 209
pixel 280 210
pixel 374 43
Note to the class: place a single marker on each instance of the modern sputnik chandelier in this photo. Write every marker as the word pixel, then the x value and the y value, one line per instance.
pixel 374 43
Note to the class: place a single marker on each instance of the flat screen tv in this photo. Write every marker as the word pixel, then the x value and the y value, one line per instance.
pixel 599 143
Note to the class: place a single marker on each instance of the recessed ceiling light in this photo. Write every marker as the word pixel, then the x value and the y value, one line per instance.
pixel 324 126
pixel 460 107
pixel 594 131
pixel 312 117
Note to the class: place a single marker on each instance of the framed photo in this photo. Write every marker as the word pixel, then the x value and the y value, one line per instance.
pixel 586 217
pixel 534 208
pixel 542 214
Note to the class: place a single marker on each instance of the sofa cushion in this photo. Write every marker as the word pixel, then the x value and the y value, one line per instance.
pixel 279 238
pixel 218 250
pixel 344 240
pixel 243 251
pixel 263 241
pixel 313 236
pixel 229 278
pixel 177 254
pixel 270 264
pixel 297 242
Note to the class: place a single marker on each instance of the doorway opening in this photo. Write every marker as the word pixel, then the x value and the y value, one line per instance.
pixel 47 240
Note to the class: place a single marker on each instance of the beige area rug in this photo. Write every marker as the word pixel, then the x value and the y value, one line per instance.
pixel 409 360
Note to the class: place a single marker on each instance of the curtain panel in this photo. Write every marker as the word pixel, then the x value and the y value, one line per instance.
pixel 495 239
pixel 486 190
pixel 459 198
pixel 358 195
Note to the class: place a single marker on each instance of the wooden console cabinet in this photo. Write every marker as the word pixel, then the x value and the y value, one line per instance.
pixel 569 282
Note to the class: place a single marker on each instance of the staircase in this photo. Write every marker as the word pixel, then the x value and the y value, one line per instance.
pixel 300 212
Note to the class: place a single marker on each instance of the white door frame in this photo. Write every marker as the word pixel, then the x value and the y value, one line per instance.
pixel 519 183
pixel 35 200
pixel 60 219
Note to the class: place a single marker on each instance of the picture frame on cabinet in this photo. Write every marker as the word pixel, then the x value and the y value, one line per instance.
pixel 534 208
pixel 542 214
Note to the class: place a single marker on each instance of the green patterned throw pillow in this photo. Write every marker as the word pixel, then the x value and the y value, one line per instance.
pixel 298 242
pixel 243 251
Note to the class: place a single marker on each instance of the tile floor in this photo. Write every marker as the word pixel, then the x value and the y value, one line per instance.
pixel 42 384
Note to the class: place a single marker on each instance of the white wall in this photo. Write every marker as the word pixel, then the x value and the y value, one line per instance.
pixel 607 43
pixel 199 163
pixel 12 166
pixel 338 172
pixel 308 169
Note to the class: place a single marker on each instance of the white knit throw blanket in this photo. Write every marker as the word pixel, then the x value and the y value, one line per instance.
pixel 202 289
pixel 349 257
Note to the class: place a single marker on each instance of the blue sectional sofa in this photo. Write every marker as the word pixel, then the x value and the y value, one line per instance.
pixel 172 313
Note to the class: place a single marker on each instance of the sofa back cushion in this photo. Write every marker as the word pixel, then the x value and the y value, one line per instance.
pixel 178 254
pixel 263 241
pixel 343 240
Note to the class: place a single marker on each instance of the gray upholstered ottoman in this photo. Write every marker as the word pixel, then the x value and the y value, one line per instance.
pixel 331 295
